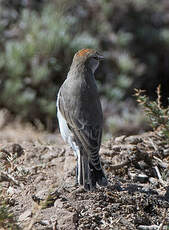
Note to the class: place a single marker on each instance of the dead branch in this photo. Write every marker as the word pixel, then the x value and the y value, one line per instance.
pixel 161 163
pixel 159 177
pixel 145 227
pixel 118 166
pixel 7 177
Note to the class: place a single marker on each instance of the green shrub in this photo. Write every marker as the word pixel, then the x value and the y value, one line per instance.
pixel 38 42
pixel 34 64
pixel 7 219
pixel 156 114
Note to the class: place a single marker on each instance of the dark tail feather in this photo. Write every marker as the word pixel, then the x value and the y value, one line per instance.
pixel 98 176
pixel 84 174
pixel 88 176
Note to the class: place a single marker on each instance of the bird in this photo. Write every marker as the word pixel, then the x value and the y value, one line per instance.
pixel 80 117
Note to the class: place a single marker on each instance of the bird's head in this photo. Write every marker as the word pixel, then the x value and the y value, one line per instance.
pixel 88 57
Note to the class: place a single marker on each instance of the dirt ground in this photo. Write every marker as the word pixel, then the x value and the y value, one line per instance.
pixel 38 181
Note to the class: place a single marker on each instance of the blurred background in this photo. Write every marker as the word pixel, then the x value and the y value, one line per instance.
pixel 38 39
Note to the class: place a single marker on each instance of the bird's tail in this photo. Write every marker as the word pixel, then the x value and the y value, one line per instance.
pixel 88 175
pixel 84 172
pixel 98 176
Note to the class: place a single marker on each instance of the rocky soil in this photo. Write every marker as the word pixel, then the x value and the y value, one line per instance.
pixel 37 182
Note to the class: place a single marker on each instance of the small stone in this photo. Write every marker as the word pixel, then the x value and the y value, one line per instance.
pixel 42 194
pixel 58 203
pixel 166 152
pixel 25 215
pixel 66 219
pixel 49 156
pixel 16 148
pixel 44 222
pixel 11 190
pixel 133 140
pixel 142 178
pixel 143 165
pixel 153 181
pixel 131 175
pixel 120 139
pixel 39 178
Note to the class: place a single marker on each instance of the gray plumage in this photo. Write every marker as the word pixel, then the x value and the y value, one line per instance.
pixel 80 117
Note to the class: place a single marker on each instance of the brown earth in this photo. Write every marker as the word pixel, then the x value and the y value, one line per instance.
pixel 38 183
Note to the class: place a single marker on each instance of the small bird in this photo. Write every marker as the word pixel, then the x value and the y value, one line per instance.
pixel 80 117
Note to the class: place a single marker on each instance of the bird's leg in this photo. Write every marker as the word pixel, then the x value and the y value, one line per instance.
pixel 76 168
pixel 76 181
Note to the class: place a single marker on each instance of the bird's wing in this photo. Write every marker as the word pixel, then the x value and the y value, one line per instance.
pixel 86 135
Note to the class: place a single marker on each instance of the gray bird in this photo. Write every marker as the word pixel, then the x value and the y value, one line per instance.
pixel 80 117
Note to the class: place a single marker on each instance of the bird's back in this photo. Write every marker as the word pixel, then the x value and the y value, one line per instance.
pixel 81 100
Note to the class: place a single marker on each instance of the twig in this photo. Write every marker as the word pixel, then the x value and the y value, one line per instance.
pixel 110 153
pixel 161 163
pixel 154 146
pixel 145 227
pixel 7 177
pixel 159 176
pixel 162 223
pixel 158 173
pixel 118 166
pixel 166 152
pixel 159 96
pixel 54 225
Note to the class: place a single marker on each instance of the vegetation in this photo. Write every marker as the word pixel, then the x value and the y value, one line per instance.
pixel 158 116
pixel 38 41
pixel 32 63
pixel 7 219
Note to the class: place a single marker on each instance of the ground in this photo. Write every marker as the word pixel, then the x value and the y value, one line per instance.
pixel 38 183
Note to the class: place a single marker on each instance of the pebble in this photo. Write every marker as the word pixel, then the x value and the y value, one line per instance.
pixel 25 215
pixel 142 178
pixel 120 139
pixel 58 203
pixel 153 181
